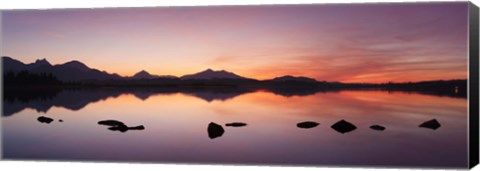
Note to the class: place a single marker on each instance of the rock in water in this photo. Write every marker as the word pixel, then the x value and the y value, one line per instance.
pixel 307 124
pixel 124 128
pixel 215 130
pixel 43 119
pixel 60 120
pixel 431 124
pixel 121 128
pixel 140 127
pixel 110 123
pixel 236 124
pixel 377 127
pixel 343 126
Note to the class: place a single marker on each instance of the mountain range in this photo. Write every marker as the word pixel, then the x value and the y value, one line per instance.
pixel 70 71
pixel 76 71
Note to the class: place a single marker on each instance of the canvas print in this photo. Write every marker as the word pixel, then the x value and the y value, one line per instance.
pixel 383 85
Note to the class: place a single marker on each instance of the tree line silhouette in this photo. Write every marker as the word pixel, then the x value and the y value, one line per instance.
pixel 26 78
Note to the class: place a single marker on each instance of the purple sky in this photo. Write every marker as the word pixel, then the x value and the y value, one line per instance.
pixel 333 42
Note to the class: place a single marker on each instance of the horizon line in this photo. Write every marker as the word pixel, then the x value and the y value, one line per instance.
pixel 224 70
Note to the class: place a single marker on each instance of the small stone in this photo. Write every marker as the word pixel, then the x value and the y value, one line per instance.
pixel 110 122
pixel 307 124
pixel 377 127
pixel 236 124
pixel 431 124
pixel 43 119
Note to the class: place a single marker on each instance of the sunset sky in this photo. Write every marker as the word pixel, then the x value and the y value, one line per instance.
pixel 332 42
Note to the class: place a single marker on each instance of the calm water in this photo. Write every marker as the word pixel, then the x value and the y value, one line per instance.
pixel 176 128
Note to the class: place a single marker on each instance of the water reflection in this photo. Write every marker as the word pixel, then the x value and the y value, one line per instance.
pixel 176 123
pixel 16 100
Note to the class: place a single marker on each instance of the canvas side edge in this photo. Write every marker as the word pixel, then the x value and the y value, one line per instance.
pixel 473 86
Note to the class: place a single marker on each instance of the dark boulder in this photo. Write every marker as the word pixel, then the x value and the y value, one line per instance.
pixel 431 124
pixel 343 126
pixel 307 124
pixel 236 124
pixel 43 119
pixel 215 130
pixel 377 127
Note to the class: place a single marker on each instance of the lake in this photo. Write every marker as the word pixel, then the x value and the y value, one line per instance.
pixel 176 127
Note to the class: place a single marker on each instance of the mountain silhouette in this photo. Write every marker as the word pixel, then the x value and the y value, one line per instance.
pixel 210 74
pixel 10 64
pixel 39 63
pixel 77 65
pixel 76 73
pixel 145 75
pixel 289 78
pixel 73 71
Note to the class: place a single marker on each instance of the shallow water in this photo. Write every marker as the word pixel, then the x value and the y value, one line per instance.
pixel 176 128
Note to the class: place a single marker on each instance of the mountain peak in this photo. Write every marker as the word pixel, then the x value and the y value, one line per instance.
pixel 144 75
pixel 7 57
pixel 142 72
pixel 43 61
pixel 77 64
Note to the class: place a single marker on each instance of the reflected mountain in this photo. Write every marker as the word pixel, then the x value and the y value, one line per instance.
pixel 18 99
pixel 75 98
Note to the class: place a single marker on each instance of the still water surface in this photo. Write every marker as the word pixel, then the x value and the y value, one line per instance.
pixel 176 128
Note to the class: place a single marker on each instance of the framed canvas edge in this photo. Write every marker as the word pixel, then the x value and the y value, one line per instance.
pixel 473 83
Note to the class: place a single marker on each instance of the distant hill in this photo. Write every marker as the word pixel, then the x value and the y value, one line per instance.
pixel 289 78
pixel 210 74
pixel 77 65
pixel 10 64
pixel 67 72
pixel 145 75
